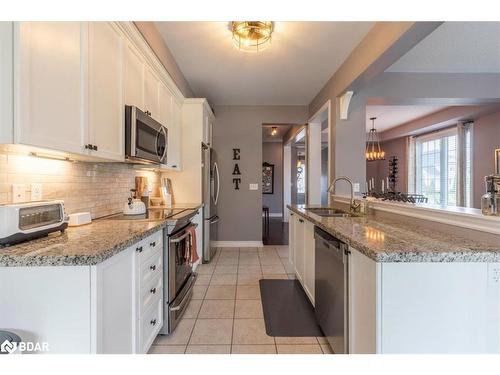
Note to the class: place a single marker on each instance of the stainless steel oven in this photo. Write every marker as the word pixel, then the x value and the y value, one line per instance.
pixel 179 273
pixel 146 140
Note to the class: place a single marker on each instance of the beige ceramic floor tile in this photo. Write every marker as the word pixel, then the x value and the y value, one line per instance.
pixel 289 268
pixel 180 336
pixel 248 250
pixel 250 331
pixel 246 309
pixel 326 349
pixel 212 332
pixel 208 349
pixel 299 349
pixel 223 279
pixel 322 340
pixel 248 279
pixel 233 269
pixel 249 262
pixel 199 291
pixel 167 349
pixel 275 277
pixel 229 250
pixel 291 276
pixel 248 292
pixel 273 270
pixel 217 309
pixel 205 269
pixel 193 309
pixel 252 270
pixel 296 340
pixel 227 262
pixel 203 279
pixel 270 261
pixel 221 292
pixel 283 252
pixel 253 349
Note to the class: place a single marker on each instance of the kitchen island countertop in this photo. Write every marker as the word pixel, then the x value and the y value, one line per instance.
pixel 386 240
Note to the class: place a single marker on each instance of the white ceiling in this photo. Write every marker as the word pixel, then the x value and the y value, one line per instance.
pixel 455 47
pixel 291 71
pixel 390 116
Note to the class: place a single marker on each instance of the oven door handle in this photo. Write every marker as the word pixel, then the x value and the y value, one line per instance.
pixel 179 239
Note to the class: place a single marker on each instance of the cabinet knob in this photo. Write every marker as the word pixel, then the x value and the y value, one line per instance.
pixel 153 322
pixel 153 290
pixel 152 244
pixel 300 220
pixel 139 249
pixel 174 166
pixel 94 147
pixel 153 267
pixel 88 147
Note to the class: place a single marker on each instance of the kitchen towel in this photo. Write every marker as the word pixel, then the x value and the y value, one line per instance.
pixel 191 255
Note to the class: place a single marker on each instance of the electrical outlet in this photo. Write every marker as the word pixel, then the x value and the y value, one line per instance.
pixel 18 193
pixel 356 187
pixel 254 187
pixel 493 273
pixel 36 192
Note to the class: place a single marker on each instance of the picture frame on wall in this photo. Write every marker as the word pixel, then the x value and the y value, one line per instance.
pixel 267 178
pixel 497 161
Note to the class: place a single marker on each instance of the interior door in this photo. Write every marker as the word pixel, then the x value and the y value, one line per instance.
pixel 49 85
pixel 105 77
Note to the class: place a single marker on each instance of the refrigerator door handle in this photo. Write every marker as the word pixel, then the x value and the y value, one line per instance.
pixel 216 170
pixel 214 219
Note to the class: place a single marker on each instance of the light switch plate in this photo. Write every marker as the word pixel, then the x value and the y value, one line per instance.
pixel 356 187
pixel 18 193
pixel 36 192
pixel 254 186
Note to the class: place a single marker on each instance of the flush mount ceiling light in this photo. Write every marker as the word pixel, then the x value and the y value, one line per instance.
pixel 274 130
pixel 373 150
pixel 251 36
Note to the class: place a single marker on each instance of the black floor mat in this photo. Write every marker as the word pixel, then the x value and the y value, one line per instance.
pixel 287 310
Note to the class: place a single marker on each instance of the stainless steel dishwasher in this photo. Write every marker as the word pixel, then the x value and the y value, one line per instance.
pixel 331 300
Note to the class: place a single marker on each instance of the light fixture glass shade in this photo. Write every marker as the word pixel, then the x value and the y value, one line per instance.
pixel 373 151
pixel 274 130
pixel 252 36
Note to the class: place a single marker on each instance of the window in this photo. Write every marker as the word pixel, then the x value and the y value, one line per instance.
pixel 440 166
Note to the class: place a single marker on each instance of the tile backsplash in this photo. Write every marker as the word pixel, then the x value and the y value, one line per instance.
pixel 101 188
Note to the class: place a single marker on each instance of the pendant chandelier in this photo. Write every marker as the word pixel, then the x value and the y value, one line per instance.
pixel 373 150
pixel 252 36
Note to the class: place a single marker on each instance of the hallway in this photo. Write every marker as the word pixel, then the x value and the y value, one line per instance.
pixel 276 233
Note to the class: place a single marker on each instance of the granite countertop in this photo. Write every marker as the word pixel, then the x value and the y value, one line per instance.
pixel 386 240
pixel 85 245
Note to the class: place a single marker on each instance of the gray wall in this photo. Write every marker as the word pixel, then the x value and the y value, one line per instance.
pixel 272 153
pixel 379 169
pixel 401 88
pixel 241 127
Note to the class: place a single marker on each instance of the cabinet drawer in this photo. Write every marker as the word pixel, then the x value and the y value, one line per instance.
pixel 145 248
pixel 150 291
pixel 150 324
pixel 151 267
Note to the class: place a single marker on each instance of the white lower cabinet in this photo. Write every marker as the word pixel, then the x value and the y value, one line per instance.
pixel 309 260
pixel 112 307
pixel 299 247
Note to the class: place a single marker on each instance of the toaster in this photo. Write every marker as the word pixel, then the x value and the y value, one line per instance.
pixel 26 221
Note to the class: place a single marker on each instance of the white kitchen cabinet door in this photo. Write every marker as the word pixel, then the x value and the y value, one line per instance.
pixel 113 301
pixel 6 79
pixel 105 77
pixel 49 87
pixel 151 93
pixel 165 105
pixel 175 136
pixel 134 77
pixel 299 252
pixel 309 260
pixel 291 238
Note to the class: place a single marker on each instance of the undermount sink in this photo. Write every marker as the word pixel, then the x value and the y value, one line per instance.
pixel 328 212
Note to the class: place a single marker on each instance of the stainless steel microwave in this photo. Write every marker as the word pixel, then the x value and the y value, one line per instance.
pixel 146 140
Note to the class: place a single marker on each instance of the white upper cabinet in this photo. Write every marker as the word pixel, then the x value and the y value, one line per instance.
pixel 134 77
pixel 106 109
pixel 50 85
pixel 151 94
pixel 165 105
pixel 175 136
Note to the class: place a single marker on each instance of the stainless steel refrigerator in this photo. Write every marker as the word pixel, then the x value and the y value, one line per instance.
pixel 211 190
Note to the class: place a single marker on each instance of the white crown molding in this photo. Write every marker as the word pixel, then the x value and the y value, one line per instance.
pixel 470 218
pixel 237 244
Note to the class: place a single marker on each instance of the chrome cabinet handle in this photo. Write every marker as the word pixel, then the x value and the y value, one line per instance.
pixel 152 244
pixel 153 267
pixel 94 147
pixel 153 322
pixel 139 249
pixel 153 290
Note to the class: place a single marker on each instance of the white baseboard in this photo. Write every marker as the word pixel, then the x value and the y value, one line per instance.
pixel 238 244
